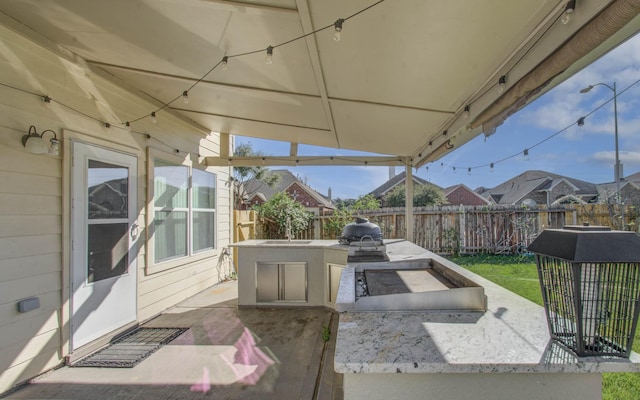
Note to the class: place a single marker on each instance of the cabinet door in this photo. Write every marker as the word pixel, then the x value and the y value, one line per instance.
pixel 267 282
pixel 295 281
pixel 335 272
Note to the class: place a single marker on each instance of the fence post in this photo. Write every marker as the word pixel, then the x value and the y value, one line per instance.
pixel 463 230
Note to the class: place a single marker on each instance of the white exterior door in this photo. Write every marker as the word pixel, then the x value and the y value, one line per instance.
pixel 103 270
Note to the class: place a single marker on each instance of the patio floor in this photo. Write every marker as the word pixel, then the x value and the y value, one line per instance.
pixel 227 353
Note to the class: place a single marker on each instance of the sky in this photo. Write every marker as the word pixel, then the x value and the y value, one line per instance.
pixel 582 152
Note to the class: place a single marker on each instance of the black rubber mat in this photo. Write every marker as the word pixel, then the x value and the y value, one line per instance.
pixel 130 349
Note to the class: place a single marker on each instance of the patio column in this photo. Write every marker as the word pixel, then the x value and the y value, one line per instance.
pixel 408 203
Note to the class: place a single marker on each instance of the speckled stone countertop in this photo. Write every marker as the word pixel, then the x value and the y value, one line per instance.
pixel 270 243
pixel 510 337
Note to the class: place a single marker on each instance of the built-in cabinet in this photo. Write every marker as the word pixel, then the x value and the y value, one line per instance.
pixel 281 281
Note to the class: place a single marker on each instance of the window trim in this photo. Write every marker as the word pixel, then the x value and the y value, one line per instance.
pixel 192 256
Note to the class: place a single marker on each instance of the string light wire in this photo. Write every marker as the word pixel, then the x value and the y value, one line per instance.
pixel 519 153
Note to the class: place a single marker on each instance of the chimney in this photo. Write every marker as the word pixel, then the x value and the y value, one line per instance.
pixel 329 195
pixel 392 171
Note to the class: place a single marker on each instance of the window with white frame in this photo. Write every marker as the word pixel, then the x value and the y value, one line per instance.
pixel 184 210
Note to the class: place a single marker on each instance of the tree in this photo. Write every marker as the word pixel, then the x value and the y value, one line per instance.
pixel 345 213
pixel 242 175
pixel 282 211
pixel 423 195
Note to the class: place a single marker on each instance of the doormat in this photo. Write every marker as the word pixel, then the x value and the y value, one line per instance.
pixel 130 349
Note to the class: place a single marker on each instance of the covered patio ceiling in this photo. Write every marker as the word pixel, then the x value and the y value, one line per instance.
pixel 396 84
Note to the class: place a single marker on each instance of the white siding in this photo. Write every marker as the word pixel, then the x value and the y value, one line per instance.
pixel 34 199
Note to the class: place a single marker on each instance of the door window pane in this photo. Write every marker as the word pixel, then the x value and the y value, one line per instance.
pixel 108 190
pixel 170 234
pixel 108 251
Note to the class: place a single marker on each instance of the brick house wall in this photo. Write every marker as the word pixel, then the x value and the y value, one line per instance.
pixel 300 195
pixel 462 196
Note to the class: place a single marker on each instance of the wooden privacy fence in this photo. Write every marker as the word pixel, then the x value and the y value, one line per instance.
pixel 468 230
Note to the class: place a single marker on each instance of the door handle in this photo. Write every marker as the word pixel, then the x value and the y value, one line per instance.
pixel 134 231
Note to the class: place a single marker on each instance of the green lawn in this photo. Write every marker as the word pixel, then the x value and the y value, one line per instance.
pixel 519 274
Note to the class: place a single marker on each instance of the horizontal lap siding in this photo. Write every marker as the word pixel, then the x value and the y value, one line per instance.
pixel 30 257
pixel 33 216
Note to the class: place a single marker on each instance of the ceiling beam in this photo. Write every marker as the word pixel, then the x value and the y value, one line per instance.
pixel 307 26
pixel 271 161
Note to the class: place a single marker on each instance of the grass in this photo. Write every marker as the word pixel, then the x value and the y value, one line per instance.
pixel 519 275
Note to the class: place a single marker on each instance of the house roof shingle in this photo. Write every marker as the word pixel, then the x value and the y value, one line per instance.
pixel 255 187
pixel 395 181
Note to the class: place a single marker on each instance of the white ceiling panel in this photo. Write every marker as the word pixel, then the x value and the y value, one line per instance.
pixel 401 74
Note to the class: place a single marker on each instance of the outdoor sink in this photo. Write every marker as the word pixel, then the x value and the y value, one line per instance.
pixel 286 242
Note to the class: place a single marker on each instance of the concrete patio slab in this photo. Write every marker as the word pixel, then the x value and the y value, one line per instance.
pixel 227 353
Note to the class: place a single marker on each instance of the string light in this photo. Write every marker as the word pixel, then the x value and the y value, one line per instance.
pixel 127 126
pixel 465 113
pixel 269 59
pixel 338 29
pixel 107 125
pixel 502 82
pixel 525 154
pixel 568 11
pixel 469 171
pixel 491 167
pixel 580 121
pixel 570 8
pixel 185 97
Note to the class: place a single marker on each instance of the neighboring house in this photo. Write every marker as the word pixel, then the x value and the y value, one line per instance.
pixel 394 181
pixel 113 229
pixel 533 188
pixel 258 192
pixel 463 195
pixel 629 190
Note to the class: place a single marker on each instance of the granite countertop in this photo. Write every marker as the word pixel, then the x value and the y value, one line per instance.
pixel 276 243
pixel 511 336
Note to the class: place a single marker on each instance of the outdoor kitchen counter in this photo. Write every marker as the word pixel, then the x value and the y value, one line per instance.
pixel 502 353
pixel 298 273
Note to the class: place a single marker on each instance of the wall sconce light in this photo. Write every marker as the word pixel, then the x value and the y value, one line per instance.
pixel 36 144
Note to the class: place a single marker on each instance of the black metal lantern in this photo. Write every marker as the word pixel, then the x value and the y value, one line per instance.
pixel 590 282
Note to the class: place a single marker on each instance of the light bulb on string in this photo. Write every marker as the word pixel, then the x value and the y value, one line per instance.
pixel 185 97
pixel 580 121
pixel 263 160
pixel 154 119
pixel 465 113
pixel 502 82
pixel 338 29
pixel 269 59
pixel 568 11
pixel 525 154
pixel 491 167
pixel 127 126
pixel 47 101
pixel 469 171
pixel 107 125
pixel 225 61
